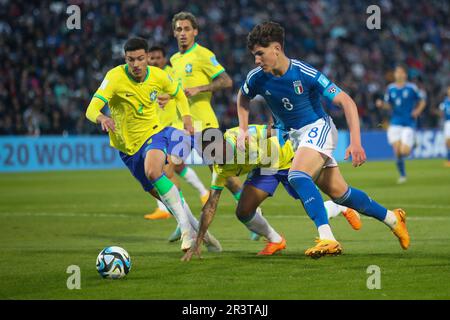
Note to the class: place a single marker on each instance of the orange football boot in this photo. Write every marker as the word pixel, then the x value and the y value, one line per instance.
pixel 157 215
pixel 273 247
pixel 400 229
pixel 324 248
pixel 353 218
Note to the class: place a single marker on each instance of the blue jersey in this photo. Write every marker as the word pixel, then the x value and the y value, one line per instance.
pixel 293 98
pixel 403 101
pixel 445 106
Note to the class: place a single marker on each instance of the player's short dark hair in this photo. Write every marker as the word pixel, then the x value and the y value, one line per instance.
pixel 134 44
pixel 265 33
pixel 158 48
pixel 184 15
pixel 402 66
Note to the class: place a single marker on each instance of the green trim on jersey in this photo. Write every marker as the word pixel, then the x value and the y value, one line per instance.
pixel 178 89
pixel 191 48
pixel 131 77
pixel 217 74
pixel 217 188
pixel 100 97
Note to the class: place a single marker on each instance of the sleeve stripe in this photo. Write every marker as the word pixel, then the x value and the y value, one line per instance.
pixel 297 62
pixel 176 91
pixel 216 188
pixel 100 97
pixel 252 73
pixel 305 71
pixel 217 74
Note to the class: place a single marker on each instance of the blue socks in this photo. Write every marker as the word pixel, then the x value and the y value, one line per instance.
pixel 310 196
pixel 360 201
pixel 401 166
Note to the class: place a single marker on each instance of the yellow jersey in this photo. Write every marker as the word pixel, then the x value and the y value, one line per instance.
pixel 169 116
pixel 133 105
pixel 198 66
pixel 261 152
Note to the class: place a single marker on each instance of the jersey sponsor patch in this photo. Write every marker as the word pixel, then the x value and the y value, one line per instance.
pixel 323 81
pixel 104 84
pixel 214 61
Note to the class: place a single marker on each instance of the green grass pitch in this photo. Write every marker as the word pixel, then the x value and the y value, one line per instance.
pixel 51 220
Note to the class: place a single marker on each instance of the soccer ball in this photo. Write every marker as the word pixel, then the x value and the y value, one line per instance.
pixel 113 263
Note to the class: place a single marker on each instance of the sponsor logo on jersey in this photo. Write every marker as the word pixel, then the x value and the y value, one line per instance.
pixel 298 87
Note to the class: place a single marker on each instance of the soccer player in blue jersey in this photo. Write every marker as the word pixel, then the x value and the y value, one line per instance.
pixel 292 90
pixel 445 109
pixel 406 102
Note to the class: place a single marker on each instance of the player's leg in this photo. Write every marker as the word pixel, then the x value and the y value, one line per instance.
pixel 256 190
pixel 394 135
pixel 448 152
pixel 191 177
pixel 161 212
pixel 331 182
pixel 155 159
pixel 447 141
pixel 351 215
pixel 405 148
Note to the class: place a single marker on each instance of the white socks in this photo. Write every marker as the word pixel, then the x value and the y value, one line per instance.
pixel 192 178
pixel 173 201
pixel 391 219
pixel 325 232
pixel 333 209
pixel 161 206
pixel 259 225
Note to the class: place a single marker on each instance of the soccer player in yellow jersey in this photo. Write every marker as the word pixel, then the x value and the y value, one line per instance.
pixel 200 74
pixel 169 116
pixel 131 93
pixel 266 159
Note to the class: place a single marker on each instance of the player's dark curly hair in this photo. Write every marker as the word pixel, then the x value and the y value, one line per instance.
pixel 136 43
pixel 265 33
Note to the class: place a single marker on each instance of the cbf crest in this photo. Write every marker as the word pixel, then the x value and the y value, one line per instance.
pixel 153 95
pixel 298 87
pixel 188 68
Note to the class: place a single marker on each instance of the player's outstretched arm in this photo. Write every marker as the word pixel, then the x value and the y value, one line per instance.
pixel 243 111
pixel 355 149
pixel 208 212
pixel 94 114
pixel 222 81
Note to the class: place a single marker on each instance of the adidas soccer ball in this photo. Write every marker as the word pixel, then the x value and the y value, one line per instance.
pixel 113 263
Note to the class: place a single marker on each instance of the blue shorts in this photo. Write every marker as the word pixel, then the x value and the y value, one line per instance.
pixel 169 140
pixel 269 183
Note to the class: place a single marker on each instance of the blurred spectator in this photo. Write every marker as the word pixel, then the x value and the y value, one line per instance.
pixel 49 73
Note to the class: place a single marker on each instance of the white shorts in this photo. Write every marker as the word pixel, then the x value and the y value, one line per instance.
pixel 447 129
pixel 321 135
pixel 403 134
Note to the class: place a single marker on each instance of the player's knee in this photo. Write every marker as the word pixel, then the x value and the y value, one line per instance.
pixel 243 212
pixel 153 173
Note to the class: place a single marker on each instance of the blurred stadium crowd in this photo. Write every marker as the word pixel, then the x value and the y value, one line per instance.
pixel 49 73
